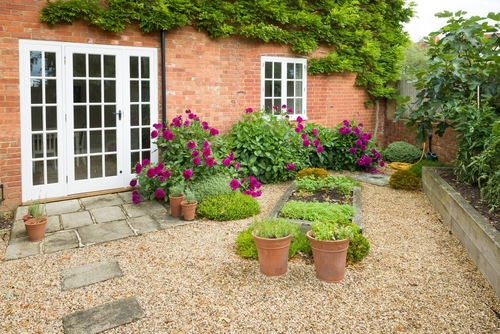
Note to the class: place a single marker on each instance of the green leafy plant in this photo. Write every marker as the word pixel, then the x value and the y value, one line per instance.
pixel 273 228
pixel 333 231
pixel 343 184
pixel 177 189
pixel 211 186
pixel 316 173
pixel 37 210
pixel 228 207
pixel 417 168
pixel 359 247
pixel 401 151
pixel 316 211
pixel 405 180
pixel 189 196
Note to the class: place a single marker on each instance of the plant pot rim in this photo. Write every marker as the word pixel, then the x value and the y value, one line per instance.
pixel 186 203
pixel 256 236
pixel 27 222
pixel 311 235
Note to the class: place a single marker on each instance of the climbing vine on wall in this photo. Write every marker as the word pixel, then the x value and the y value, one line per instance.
pixel 365 36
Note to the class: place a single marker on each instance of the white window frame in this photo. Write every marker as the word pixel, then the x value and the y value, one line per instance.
pixel 284 61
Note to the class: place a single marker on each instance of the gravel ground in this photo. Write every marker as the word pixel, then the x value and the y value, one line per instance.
pixel 416 279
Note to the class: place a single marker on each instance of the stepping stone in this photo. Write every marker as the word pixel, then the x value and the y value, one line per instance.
pixel 21 247
pixel 144 224
pixel 56 208
pixel 102 201
pixel 60 241
pixel 104 317
pixel 376 179
pixel 89 274
pixel 99 233
pixel 144 208
pixel 104 215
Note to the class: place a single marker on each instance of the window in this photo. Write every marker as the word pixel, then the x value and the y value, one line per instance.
pixel 284 82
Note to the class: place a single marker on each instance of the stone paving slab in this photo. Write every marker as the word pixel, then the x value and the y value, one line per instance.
pixel 376 179
pixel 18 230
pixel 53 224
pixel 104 317
pixel 144 224
pixel 101 201
pixel 104 215
pixel 126 197
pixel 99 233
pixel 21 247
pixel 56 208
pixel 76 219
pixel 144 208
pixel 89 274
pixel 60 241
pixel 167 221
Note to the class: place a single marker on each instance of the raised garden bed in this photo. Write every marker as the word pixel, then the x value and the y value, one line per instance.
pixel 480 239
pixel 304 224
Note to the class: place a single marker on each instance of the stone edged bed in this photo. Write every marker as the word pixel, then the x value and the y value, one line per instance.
pixel 305 224
pixel 478 237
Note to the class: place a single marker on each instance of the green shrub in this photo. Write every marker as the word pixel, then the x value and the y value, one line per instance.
pixel 316 173
pixel 406 180
pixel 316 211
pixel 417 168
pixel 211 186
pixel 245 245
pixel 401 151
pixel 228 207
pixel 359 247
pixel 344 184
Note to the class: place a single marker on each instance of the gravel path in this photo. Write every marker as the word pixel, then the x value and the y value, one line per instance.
pixel 416 279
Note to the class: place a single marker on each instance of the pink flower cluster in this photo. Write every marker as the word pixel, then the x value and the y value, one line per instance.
pixel 251 186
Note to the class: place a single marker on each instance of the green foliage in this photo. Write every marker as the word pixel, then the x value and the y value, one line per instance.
pixel 228 207
pixel 189 196
pixel 316 173
pixel 333 231
pixel 417 168
pixel 344 184
pixel 245 245
pixel 316 211
pixel 367 36
pixel 177 189
pixel 406 180
pixel 211 186
pixel 415 59
pixel 401 151
pixel 359 247
pixel 37 210
pixel 273 228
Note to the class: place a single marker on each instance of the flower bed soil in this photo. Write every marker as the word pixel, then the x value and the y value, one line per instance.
pixel 329 196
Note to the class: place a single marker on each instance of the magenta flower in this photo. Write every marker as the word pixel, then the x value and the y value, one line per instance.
pixel 166 174
pixel 159 168
pixel 206 144
pixel 314 132
pixel 299 119
pixel 316 142
pixel 159 193
pixel 319 148
pixel 192 116
pixel 186 123
pixel 196 161
pixel 187 174
pixel 249 110
pixel 297 129
pixel 234 184
pixel 210 162
pixel 187 111
pixel 206 152
pixel 226 162
pixel 151 172
pixel 214 132
pixel 290 166
pixel 135 197
pixel 358 142
pixel 344 130
pixel 133 183
pixel 300 126
pixel 204 125
pixel 346 123
pixel 231 156
pixel 303 135
pixel 275 108
pixel 236 166
pixel 283 106
pixel 352 150
pixel 195 153
pixel 356 131
pixel 145 162
pixel 360 125
pixel 154 134
pixel 191 144
pixel 381 163
pixel 157 126
pixel 138 168
pixel 242 180
pixel 306 142
pixel 289 110
pixel 168 135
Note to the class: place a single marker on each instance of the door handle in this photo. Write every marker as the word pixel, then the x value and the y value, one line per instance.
pixel 119 113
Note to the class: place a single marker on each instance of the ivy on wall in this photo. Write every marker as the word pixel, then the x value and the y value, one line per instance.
pixel 365 36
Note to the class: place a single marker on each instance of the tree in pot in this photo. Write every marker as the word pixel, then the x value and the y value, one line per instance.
pixel 329 243
pixel 175 197
pixel 272 236
pixel 35 226
pixel 189 204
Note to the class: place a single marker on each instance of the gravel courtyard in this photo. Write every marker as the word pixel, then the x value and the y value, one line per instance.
pixel 188 279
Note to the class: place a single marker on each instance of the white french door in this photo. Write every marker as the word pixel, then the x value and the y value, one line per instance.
pixel 89 112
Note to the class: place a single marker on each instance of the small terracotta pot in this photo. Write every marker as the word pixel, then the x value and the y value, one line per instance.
pixel 189 210
pixel 273 254
pixel 26 217
pixel 329 258
pixel 35 229
pixel 175 205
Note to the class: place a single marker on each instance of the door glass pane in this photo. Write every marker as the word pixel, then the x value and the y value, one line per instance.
pixel 79 91
pixel 268 70
pixel 134 91
pixel 36 91
pixel 95 117
pixel 145 91
pixel 289 88
pixel 79 65
pixel 277 70
pixel 95 142
pixel 110 136
pixel 50 64
pixel 95 166
pixel 80 139
pixel 50 91
pixel 298 71
pixel 111 166
pixel 134 67
pixel 268 88
pixel 289 71
pixel 146 117
pixel 51 145
pixel 51 118
pixel 81 168
pixel 95 90
pixel 79 117
pixel 134 115
pixel 95 66
pixel 290 104
pixel 277 90
pixel 35 63
pixel 144 67
pixel 146 138
pixel 36 119
pixel 134 139
pixel 298 88
pixel 298 106
pixel 109 67
pixel 134 158
pixel 38 173
pixel 37 144
pixel 109 116
pixel 109 91
pixel 52 175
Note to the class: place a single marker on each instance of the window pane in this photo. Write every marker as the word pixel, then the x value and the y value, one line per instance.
pixel 36 91
pixel 35 63
pixel 95 167
pixel 81 172
pixel 290 104
pixel 51 144
pixel 50 64
pixel 109 67
pixel 146 143
pixel 36 119
pixel 146 119
pixel 145 91
pixel 268 105
pixel 134 115
pixel 145 67
pixel 110 136
pixel 109 116
pixel 277 89
pixel 134 158
pixel 134 139
pixel 277 103
pixel 134 91
pixel 289 88
pixel 51 118
pixel 80 142
pixel 298 88
pixel 268 70
pixel 95 66
pixel 52 175
pixel 268 88
pixel 79 91
pixel 79 62
pixel 37 145
pixel 38 173
pixel 289 71
pixel 95 142
pixel 109 91
pixel 134 67
pixel 277 70
pixel 298 71
pixel 298 106
pixel 95 117
pixel 110 161
pixel 95 91
pixel 50 91
pixel 80 117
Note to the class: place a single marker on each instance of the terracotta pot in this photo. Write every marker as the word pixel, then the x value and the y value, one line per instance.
pixel 273 255
pixel 26 217
pixel 175 205
pixel 189 210
pixel 35 229
pixel 329 258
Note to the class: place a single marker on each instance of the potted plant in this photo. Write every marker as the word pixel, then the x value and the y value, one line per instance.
pixel 175 197
pixel 329 243
pixel 189 204
pixel 272 236
pixel 35 226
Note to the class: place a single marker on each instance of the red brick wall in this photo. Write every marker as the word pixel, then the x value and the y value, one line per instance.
pixel 217 79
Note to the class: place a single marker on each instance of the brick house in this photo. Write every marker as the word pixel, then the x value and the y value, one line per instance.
pixel 77 103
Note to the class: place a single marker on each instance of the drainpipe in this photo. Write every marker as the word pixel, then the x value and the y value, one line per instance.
pixel 163 81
